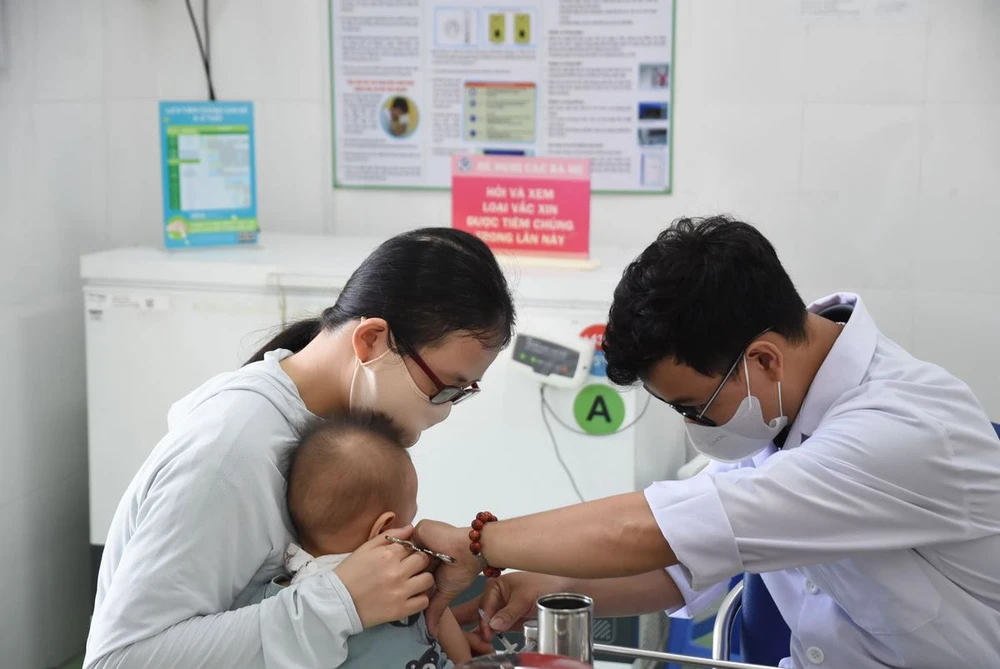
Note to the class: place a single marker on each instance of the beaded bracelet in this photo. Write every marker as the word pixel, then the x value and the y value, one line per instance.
pixel 476 536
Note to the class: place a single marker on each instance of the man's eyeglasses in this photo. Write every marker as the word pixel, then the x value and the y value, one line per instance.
pixel 696 414
pixel 444 393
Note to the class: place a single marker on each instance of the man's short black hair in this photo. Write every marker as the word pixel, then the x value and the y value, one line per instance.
pixel 401 104
pixel 698 294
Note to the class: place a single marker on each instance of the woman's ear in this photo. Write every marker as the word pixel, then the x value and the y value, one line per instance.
pixel 370 338
pixel 382 524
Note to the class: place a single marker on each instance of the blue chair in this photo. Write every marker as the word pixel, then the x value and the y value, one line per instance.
pixel 763 635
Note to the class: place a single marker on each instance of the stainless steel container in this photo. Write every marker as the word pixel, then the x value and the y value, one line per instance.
pixel 530 635
pixel 566 626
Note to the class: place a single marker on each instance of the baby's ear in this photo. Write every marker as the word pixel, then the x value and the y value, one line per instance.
pixel 382 524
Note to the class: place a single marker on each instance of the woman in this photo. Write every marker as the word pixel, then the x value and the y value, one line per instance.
pixel 203 525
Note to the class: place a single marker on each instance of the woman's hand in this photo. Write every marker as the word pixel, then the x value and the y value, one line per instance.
pixel 386 581
pixel 507 602
pixel 450 580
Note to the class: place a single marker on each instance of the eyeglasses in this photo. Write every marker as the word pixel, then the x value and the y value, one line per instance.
pixel 444 393
pixel 694 413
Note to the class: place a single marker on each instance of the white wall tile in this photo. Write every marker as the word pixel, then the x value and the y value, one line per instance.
pixel 963 57
pixel 135 191
pixel 861 150
pixel 68 52
pixel 71 194
pixel 746 52
pixel 290 175
pixel 296 70
pixel 180 73
pixel 959 332
pixel 17 77
pixel 130 48
pixel 956 241
pixel 17 194
pixel 960 156
pixel 23 609
pixel 356 212
pixel 894 313
pixel 745 148
pixel 843 245
pixel 67 582
pixel 51 339
pixel 46 445
pixel 16 417
pixel 883 65
pixel 241 50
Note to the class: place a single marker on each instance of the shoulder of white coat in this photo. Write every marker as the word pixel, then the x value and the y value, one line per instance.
pixel 883 433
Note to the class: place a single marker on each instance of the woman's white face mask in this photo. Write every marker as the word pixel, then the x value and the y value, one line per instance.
pixel 745 434
pixel 385 384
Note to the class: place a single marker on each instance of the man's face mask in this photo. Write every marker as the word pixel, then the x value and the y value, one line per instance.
pixel 744 435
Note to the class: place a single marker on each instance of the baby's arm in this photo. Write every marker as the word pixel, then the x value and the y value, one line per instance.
pixel 452 639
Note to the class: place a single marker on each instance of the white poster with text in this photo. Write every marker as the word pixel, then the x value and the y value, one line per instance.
pixel 415 82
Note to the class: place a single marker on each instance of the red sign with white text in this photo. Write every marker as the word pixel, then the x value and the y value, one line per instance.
pixel 533 206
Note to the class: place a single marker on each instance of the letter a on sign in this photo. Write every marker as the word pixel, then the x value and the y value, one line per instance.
pixel 599 409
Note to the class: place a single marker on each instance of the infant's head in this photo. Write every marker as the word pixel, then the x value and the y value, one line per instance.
pixel 349 479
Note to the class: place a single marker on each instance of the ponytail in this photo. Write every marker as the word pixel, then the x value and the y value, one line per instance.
pixel 294 338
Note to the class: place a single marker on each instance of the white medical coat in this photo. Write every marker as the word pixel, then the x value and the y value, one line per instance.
pixel 877 525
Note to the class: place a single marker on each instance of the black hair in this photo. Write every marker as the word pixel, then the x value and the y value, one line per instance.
pixel 426 284
pixel 401 104
pixel 342 468
pixel 699 294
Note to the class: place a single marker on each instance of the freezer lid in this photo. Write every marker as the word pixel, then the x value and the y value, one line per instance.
pixel 325 262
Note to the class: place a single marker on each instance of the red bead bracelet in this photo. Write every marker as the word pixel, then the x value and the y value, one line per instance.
pixel 475 537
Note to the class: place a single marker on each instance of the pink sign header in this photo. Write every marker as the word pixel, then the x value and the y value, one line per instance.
pixel 569 169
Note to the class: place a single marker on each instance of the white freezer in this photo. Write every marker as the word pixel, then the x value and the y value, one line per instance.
pixel 160 323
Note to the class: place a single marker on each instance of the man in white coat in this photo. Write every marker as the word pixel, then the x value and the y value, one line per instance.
pixel 861 483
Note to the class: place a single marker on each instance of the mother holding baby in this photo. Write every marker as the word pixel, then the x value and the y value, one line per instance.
pixel 203 527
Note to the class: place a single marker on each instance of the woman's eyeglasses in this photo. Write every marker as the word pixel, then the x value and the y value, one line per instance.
pixel 444 393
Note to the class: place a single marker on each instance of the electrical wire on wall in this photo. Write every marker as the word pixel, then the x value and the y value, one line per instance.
pixel 203 47
pixel 547 409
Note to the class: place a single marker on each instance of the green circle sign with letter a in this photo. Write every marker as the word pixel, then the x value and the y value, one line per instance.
pixel 599 409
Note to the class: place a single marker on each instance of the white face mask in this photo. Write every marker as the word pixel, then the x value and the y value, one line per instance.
pixel 745 435
pixel 385 384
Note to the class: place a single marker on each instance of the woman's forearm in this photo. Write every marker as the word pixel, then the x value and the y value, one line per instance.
pixel 607 538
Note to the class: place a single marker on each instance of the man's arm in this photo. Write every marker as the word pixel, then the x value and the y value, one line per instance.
pixel 631 595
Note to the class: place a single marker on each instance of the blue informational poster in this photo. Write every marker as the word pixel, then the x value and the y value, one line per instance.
pixel 209 175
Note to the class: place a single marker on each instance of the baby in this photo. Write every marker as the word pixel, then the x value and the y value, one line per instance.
pixel 349 479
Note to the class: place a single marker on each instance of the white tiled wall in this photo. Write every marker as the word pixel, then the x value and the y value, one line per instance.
pixel 869 150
